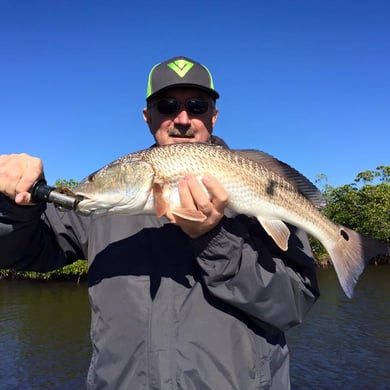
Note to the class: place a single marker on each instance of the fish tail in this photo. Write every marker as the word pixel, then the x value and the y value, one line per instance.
pixel 351 254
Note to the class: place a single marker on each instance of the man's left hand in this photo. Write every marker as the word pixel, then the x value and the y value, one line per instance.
pixel 194 197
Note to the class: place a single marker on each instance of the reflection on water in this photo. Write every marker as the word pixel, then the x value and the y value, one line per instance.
pixel 343 344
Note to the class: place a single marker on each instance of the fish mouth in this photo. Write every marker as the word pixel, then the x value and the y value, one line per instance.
pixel 96 203
pixel 81 200
pixel 79 197
pixel 83 205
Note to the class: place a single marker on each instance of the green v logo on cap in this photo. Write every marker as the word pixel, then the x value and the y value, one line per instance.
pixel 179 72
pixel 181 67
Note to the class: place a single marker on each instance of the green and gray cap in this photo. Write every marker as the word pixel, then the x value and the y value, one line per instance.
pixel 179 72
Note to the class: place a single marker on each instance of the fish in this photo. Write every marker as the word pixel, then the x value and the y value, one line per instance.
pixel 257 184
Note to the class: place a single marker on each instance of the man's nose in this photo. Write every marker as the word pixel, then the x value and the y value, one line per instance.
pixel 182 117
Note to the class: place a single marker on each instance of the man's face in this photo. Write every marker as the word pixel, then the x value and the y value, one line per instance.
pixel 182 119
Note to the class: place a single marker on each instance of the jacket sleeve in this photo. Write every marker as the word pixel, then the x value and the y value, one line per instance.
pixel 243 267
pixel 39 238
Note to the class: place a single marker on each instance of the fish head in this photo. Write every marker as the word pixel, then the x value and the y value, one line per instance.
pixel 122 186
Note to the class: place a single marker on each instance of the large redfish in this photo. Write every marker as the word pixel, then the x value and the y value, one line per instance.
pixel 257 185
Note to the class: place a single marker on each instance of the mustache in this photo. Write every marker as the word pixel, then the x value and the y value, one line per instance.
pixel 181 132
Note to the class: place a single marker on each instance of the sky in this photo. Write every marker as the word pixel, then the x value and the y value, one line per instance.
pixel 306 81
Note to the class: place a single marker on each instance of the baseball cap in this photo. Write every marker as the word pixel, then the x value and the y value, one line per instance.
pixel 179 72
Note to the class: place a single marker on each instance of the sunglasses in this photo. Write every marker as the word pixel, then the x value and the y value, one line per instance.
pixel 170 106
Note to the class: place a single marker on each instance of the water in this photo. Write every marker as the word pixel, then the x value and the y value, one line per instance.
pixel 44 335
pixel 343 344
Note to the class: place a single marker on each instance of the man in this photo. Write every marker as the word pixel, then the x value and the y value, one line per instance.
pixel 180 305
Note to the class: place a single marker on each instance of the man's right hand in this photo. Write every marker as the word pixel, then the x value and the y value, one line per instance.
pixel 18 173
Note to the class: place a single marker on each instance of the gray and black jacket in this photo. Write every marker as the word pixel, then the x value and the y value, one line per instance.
pixel 170 312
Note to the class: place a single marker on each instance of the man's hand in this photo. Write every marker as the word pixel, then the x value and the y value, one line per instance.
pixel 18 172
pixel 193 197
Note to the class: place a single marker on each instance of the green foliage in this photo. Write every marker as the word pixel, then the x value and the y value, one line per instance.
pixel 343 205
pixel 363 206
pixel 66 183
pixel 320 254
pixel 76 271
pixel 382 172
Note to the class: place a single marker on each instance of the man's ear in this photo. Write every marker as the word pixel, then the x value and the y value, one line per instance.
pixel 147 116
pixel 215 117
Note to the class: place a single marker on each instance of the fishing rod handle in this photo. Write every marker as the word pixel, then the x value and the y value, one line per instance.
pixel 41 192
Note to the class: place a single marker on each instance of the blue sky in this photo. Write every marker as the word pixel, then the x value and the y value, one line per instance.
pixel 307 81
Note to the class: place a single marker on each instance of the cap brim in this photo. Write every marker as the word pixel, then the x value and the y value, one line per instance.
pixel 213 93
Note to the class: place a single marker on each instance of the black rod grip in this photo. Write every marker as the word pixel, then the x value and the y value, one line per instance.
pixel 40 191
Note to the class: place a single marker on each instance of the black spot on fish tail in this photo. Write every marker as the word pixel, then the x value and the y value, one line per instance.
pixel 351 254
pixel 344 234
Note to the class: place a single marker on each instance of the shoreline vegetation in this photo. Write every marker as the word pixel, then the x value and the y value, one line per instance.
pixel 75 272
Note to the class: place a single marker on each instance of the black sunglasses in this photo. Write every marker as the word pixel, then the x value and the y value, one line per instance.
pixel 170 106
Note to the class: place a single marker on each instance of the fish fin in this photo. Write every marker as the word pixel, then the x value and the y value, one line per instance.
pixel 190 215
pixel 351 254
pixel 303 185
pixel 160 205
pixel 278 231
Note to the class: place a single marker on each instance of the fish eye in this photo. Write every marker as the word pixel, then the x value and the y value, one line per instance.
pixel 92 177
